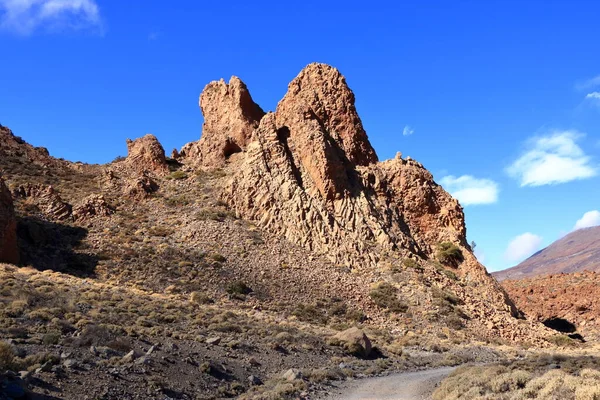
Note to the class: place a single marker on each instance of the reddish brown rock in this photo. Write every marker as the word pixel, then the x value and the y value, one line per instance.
pixel 46 199
pixel 230 117
pixel 318 122
pixel 93 206
pixel 9 252
pixel 310 175
pixel 141 187
pixel 146 155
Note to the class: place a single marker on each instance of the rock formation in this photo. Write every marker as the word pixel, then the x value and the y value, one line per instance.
pixel 46 199
pixel 230 117
pixel 9 252
pixel 93 206
pixel 146 154
pixel 309 174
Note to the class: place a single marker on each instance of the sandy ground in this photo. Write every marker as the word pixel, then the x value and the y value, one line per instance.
pixel 407 386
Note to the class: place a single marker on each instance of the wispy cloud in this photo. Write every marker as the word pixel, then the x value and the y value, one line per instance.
pixel 589 219
pixel 25 17
pixel 593 97
pixel 407 131
pixel 590 83
pixel 552 159
pixel 470 190
pixel 522 247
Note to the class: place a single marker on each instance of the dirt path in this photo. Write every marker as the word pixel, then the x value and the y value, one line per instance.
pixel 407 386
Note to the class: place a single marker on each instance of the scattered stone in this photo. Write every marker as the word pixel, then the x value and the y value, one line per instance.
pixel 214 341
pixel 254 380
pixel 129 357
pixel 292 375
pixel 71 364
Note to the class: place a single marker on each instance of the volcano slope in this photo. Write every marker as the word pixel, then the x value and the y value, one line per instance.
pixel 210 273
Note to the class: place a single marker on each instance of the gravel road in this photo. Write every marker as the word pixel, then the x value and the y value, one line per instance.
pixel 406 386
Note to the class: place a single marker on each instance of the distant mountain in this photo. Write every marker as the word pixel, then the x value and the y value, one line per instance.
pixel 578 251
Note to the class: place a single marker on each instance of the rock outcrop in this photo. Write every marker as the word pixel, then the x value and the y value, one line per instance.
pixel 46 199
pixel 309 174
pixel 93 206
pixel 9 252
pixel 230 117
pixel 146 155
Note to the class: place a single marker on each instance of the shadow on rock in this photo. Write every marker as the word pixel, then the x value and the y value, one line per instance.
pixel 48 245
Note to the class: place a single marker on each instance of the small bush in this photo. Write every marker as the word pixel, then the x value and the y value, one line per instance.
pixel 7 355
pixel 177 175
pixel 201 298
pixel 239 288
pixel 561 340
pixel 385 296
pixel 218 258
pixel 449 254
pixel 309 313
pixel 51 338
pixel 411 263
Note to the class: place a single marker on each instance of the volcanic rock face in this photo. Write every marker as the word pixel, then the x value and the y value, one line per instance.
pixel 312 175
pixel 318 123
pixel 230 117
pixel 559 296
pixel 8 236
pixel 146 154
pixel 309 174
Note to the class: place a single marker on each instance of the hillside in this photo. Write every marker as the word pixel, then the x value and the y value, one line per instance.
pixel 577 252
pixel 210 273
pixel 571 300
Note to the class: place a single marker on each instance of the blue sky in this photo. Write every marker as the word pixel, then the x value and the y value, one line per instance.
pixel 499 99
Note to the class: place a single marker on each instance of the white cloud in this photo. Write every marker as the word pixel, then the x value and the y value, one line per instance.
pixel 593 96
pixel 407 131
pixel 589 219
pixel 595 81
pixel 522 247
pixel 26 16
pixel 470 190
pixel 552 159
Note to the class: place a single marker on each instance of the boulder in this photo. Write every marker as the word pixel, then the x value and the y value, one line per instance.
pixel 146 154
pixel 354 341
pixel 9 251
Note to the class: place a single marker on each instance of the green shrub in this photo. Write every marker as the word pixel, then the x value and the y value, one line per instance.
pixel 385 296
pixel 411 263
pixel 561 340
pixel 449 254
pixel 177 175
pixel 51 338
pixel 238 288
pixel 201 298
pixel 7 355
pixel 309 313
